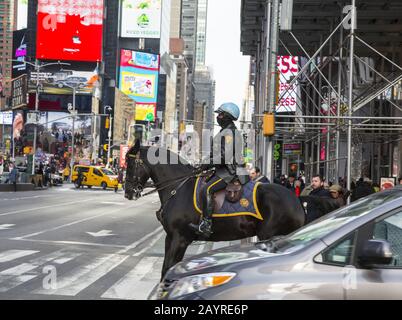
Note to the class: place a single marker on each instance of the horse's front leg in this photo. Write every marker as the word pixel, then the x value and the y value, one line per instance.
pixel 175 248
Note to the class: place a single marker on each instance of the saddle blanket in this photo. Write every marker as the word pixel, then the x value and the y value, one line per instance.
pixel 246 206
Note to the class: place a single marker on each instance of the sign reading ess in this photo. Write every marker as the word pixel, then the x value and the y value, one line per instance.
pixel 72 27
pixel 288 94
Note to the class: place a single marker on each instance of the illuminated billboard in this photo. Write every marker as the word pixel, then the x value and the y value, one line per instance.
pixel 55 81
pixel 139 73
pixel 288 94
pixel 69 30
pixel 141 19
pixel 145 112
pixel 19 52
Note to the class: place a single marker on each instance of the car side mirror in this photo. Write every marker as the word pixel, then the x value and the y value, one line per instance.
pixel 375 252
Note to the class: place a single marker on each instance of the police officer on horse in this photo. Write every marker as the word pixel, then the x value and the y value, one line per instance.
pixel 225 164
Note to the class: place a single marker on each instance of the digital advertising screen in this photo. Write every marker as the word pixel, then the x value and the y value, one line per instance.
pixel 69 30
pixel 19 52
pixel 141 19
pixel 139 73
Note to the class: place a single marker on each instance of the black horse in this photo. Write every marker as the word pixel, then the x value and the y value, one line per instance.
pixel 281 210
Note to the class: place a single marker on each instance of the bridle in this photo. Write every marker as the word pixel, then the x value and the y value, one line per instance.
pixel 135 184
pixel 138 188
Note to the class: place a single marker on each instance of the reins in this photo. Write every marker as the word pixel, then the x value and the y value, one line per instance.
pixel 168 183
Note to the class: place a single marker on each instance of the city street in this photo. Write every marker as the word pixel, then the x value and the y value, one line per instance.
pixel 94 243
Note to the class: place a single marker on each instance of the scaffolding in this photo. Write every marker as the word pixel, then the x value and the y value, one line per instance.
pixel 348 112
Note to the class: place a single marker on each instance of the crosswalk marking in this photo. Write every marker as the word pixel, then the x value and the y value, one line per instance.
pixel 82 277
pixel 137 282
pixel 10 255
pixel 67 259
pixel 17 270
pixel 16 276
pixel 150 245
pixel 131 286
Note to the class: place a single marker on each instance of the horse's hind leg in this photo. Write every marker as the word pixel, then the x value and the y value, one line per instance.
pixel 265 232
pixel 175 248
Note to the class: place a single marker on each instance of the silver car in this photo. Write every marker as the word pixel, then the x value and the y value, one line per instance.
pixel 352 253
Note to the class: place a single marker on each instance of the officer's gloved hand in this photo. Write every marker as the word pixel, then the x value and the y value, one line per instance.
pixel 203 167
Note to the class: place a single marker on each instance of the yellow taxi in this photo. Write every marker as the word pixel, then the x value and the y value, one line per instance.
pixel 95 176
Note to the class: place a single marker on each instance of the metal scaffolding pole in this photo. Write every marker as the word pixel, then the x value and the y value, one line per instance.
pixel 267 77
pixel 320 101
pixel 270 107
pixel 338 108
pixel 334 117
pixel 327 147
pixel 350 109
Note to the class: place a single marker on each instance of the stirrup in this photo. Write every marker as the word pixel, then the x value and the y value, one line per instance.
pixel 199 228
pixel 205 227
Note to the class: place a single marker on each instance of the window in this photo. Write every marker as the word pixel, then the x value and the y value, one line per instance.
pixel 108 172
pixel 390 230
pixel 82 169
pixel 98 173
pixel 340 253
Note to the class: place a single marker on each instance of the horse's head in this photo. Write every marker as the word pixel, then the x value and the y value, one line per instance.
pixel 137 174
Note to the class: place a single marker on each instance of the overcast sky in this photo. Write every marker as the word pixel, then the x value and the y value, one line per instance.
pixel 223 51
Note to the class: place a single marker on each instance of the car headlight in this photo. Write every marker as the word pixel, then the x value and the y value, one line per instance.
pixel 200 282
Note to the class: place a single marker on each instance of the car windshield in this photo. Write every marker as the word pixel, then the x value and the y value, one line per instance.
pixel 333 221
pixel 108 172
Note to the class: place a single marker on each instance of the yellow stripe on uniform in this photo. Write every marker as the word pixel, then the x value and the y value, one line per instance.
pixel 213 185
pixel 195 196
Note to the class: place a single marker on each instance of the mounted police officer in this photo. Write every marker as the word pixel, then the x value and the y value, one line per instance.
pixel 223 159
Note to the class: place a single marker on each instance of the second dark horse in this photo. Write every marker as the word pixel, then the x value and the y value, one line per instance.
pixel 281 210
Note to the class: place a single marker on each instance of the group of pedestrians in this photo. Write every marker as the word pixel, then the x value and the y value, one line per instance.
pixel 317 187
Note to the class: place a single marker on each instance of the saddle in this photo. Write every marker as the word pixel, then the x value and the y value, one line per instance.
pixel 235 200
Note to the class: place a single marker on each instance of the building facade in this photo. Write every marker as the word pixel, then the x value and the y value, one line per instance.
pixel 8 23
pixel 201 32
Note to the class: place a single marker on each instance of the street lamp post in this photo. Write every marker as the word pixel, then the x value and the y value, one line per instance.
pixel 72 136
pixel 36 110
pixel 109 108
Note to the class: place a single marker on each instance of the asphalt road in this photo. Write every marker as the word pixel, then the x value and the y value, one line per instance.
pixel 64 243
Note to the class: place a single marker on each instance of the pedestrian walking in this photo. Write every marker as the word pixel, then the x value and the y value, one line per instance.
pixel 13 178
pixel 66 172
pixel 363 188
pixel 317 183
pixel 257 176
pixel 337 193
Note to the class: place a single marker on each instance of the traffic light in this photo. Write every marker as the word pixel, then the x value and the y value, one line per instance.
pixel 277 151
pixel 268 124
pixel 105 147
pixel 107 123
pixel 182 127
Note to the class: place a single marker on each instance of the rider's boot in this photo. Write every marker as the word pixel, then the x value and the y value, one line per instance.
pixel 205 226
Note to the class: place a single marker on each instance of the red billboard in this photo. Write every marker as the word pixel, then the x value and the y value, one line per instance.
pixel 69 30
